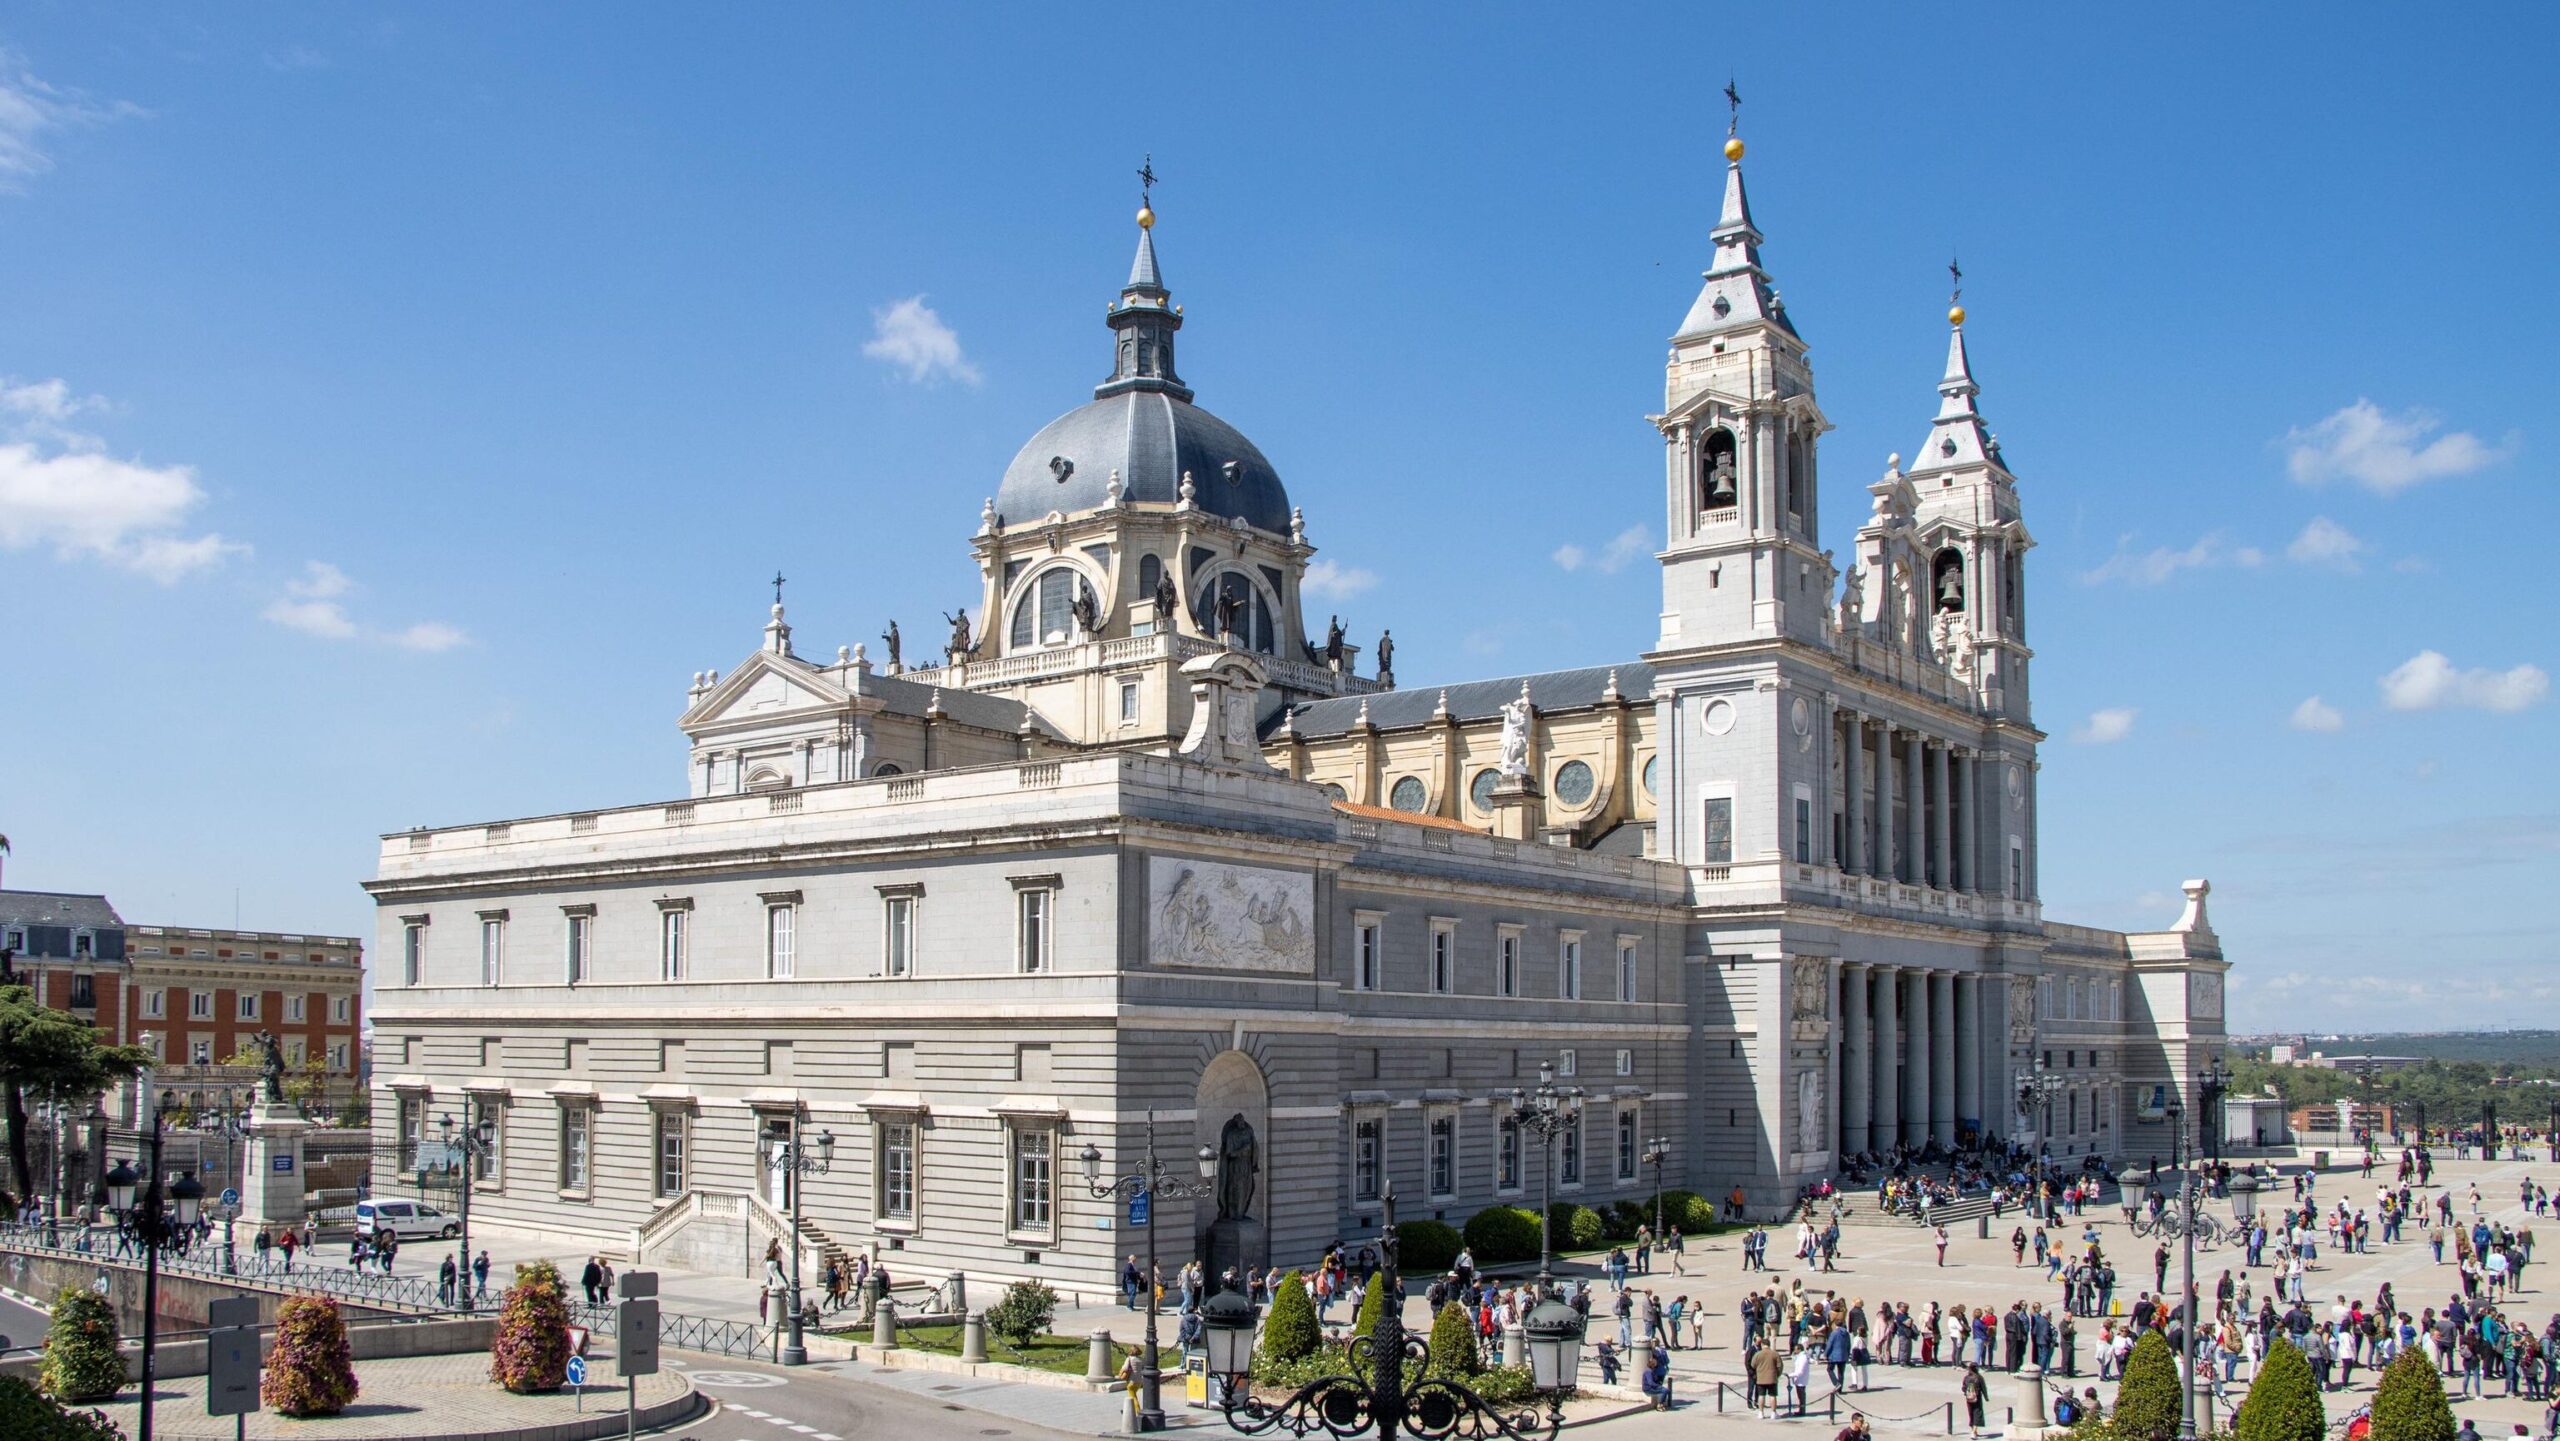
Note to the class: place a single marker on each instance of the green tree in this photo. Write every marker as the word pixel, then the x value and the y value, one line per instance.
pixel 48 1055
pixel 1024 1313
pixel 1290 1330
pixel 1453 1343
pixel 2147 1397
pixel 2409 1405
pixel 2283 1402
pixel 530 1352
pixel 1500 1235
pixel 1373 1303
pixel 1424 1247
pixel 26 1415
pixel 81 1362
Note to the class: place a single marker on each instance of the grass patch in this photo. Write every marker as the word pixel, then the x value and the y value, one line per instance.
pixel 1048 1352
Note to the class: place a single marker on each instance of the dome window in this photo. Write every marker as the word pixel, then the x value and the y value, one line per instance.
pixel 1232 599
pixel 1046 613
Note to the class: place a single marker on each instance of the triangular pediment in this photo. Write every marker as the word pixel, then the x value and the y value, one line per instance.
pixel 765 685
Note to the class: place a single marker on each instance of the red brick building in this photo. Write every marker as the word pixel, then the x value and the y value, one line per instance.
pixel 203 995
pixel 71 949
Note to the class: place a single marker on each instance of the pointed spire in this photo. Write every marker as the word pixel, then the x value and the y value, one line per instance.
pixel 1957 436
pixel 1144 277
pixel 1144 318
pixel 1738 291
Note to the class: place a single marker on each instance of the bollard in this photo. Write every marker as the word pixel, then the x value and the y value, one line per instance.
pixel 2028 1414
pixel 874 1290
pixel 1515 1346
pixel 1982 1228
pixel 1097 1357
pixel 884 1325
pixel 958 1283
pixel 973 1338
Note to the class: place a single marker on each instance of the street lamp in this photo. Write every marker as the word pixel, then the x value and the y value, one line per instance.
pixel 790 1159
pixel 1657 1149
pixel 465 1150
pixel 156 1220
pixel 2036 1090
pixel 2488 1130
pixel 1155 1182
pixel 2244 1202
pixel 230 1126
pixel 2211 1085
pixel 2555 1130
pixel 1374 1398
pixel 1548 1110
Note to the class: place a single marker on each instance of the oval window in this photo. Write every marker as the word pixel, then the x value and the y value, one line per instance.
pixel 1480 790
pixel 1573 783
pixel 1407 795
pixel 1652 773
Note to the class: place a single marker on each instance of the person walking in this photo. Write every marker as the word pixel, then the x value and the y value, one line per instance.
pixel 1976 1392
pixel 480 1274
pixel 445 1280
pixel 591 1279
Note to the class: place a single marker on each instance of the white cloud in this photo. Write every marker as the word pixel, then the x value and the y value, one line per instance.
pixel 1570 557
pixel 2325 542
pixel 33 112
pixel 2428 681
pixel 1627 545
pixel 2105 727
pixel 1332 580
pixel 2161 563
pixel 2318 715
pixel 911 337
pixel 2385 453
pixel 296 57
pixel 83 502
pixel 315 604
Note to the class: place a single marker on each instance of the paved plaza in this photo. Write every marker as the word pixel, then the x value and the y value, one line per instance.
pixel 408 1397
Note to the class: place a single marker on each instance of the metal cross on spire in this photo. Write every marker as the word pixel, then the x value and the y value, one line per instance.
pixel 1146 179
pixel 1733 98
pixel 777 587
pixel 1955 281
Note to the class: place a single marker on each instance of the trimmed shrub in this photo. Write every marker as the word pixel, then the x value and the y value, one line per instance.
pixel 25 1415
pixel 1289 1331
pixel 1698 1215
pixel 1024 1314
pixel 1426 1247
pixel 529 1353
pixel 2409 1405
pixel 1624 1218
pixel 2147 1397
pixel 2284 1402
pixel 1576 1228
pixel 1373 1303
pixel 1675 1209
pixel 310 1372
pixel 81 1363
pixel 1500 1235
pixel 1453 1343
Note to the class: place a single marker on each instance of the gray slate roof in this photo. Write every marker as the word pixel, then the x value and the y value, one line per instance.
pixel 968 707
pixel 1474 700
pixel 49 908
pixel 1151 438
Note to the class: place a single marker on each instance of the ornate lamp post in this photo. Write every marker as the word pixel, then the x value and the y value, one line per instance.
pixel 791 1160
pixel 467 1148
pixel 2555 1130
pixel 157 1221
pixel 2212 1084
pixel 2036 1090
pixel 2488 1130
pixel 231 1126
pixel 1547 1111
pixel 1657 1149
pixel 1376 1399
pixel 1154 1181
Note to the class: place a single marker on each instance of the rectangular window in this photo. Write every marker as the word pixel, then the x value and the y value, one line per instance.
pixel 671 1153
pixel 898 936
pixel 1569 966
pixel 199 1005
pixel 2017 872
pixel 413 953
pixel 1626 970
pixel 413 1130
pixel 1565 1063
pixel 897 1171
pixel 1626 1062
pixel 1804 830
pixel 577 1127
pixel 1506 1165
pixel 248 1005
pixel 338 1056
pixel 200 1052
pixel 1367 1159
pixel 1444 958
pixel 155 1005
pixel 295 1008
pixel 1368 963
pixel 342 1009
pixel 672 926
pixel 1444 1156
pixel 1508 982
pixel 1128 702
pixel 488 1161
pixel 779 942
pixel 84 993
pixel 581 932
pixel 296 1050
pixel 493 950
pixel 1569 1169
pixel 1034 907
pixel 1626 1145
pixel 1033 1180
pixel 1717 848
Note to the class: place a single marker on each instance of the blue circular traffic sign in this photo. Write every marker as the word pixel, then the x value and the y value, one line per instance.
pixel 577 1370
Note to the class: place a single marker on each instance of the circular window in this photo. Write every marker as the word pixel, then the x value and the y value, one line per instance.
pixel 1334 792
pixel 1718 717
pixel 1573 783
pixel 1407 795
pixel 1652 774
pixel 1481 790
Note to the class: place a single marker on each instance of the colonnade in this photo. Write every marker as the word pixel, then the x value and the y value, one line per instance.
pixel 1907 806
pixel 1912 1055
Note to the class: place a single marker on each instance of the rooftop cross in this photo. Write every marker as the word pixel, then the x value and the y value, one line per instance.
pixel 1146 178
pixel 777 587
pixel 1955 281
pixel 1733 98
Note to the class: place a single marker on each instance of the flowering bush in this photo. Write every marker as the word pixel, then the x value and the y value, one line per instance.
pixel 311 1371
pixel 81 1362
pixel 531 1350
pixel 27 1416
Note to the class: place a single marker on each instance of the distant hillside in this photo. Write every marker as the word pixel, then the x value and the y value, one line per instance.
pixel 2532 1050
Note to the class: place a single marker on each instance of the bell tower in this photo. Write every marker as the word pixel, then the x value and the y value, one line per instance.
pixel 1969 529
pixel 1739 428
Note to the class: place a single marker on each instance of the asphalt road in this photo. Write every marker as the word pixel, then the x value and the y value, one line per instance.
pixel 22 1325
pixel 842 1406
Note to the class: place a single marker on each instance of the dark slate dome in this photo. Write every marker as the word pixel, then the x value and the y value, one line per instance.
pixel 1151 438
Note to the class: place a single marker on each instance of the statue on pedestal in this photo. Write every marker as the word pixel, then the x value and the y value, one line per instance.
pixel 271 1067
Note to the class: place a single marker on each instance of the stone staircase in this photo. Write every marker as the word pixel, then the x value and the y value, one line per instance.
pixel 725 1233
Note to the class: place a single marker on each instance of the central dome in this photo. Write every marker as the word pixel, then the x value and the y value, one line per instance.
pixel 1151 438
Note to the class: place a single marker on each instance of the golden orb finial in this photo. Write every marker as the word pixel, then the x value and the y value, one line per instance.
pixel 1733 147
pixel 1955 315
pixel 1146 217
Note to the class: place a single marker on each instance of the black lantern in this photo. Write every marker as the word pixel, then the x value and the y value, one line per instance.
pixel 1227 1321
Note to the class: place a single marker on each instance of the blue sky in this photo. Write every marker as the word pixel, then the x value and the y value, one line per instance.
pixel 403 403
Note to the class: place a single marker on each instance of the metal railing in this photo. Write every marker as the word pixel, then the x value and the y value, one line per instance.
pixel 204 1261
pixel 710 1334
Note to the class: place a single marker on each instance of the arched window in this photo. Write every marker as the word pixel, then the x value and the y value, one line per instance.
pixel 1719 476
pixel 1946 581
pixel 765 778
pixel 886 768
pixel 1799 471
pixel 1150 572
pixel 1251 609
pixel 1045 615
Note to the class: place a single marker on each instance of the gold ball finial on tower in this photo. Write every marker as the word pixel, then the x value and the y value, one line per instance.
pixel 1146 217
pixel 1733 147
pixel 1955 315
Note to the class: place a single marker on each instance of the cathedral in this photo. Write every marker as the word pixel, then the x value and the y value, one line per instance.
pixel 1137 858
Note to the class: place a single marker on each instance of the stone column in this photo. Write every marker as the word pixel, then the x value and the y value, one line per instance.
pixel 1942 1056
pixel 1968 860
pixel 1969 1052
pixel 1882 857
pixel 1835 983
pixel 1915 809
pixel 1857 1058
pixel 1887 1070
pixel 1915 1061
pixel 1941 819
pixel 1853 801
pixel 271 1193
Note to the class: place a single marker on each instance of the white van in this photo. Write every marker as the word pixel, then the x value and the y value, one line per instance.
pixel 405 1219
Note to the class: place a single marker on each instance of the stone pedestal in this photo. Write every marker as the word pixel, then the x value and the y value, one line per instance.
pixel 2029 1424
pixel 1515 808
pixel 272 1181
pixel 1234 1243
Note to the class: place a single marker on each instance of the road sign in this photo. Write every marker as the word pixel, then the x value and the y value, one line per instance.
pixel 635 1324
pixel 228 1311
pixel 1139 1207
pixel 633 1284
pixel 231 1356
pixel 577 1370
pixel 231 1195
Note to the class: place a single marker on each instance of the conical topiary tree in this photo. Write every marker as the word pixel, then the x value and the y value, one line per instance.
pixel 2283 1402
pixel 1290 1331
pixel 2409 1405
pixel 1373 1302
pixel 81 1362
pixel 1453 1343
pixel 310 1372
pixel 2147 1396
pixel 530 1351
